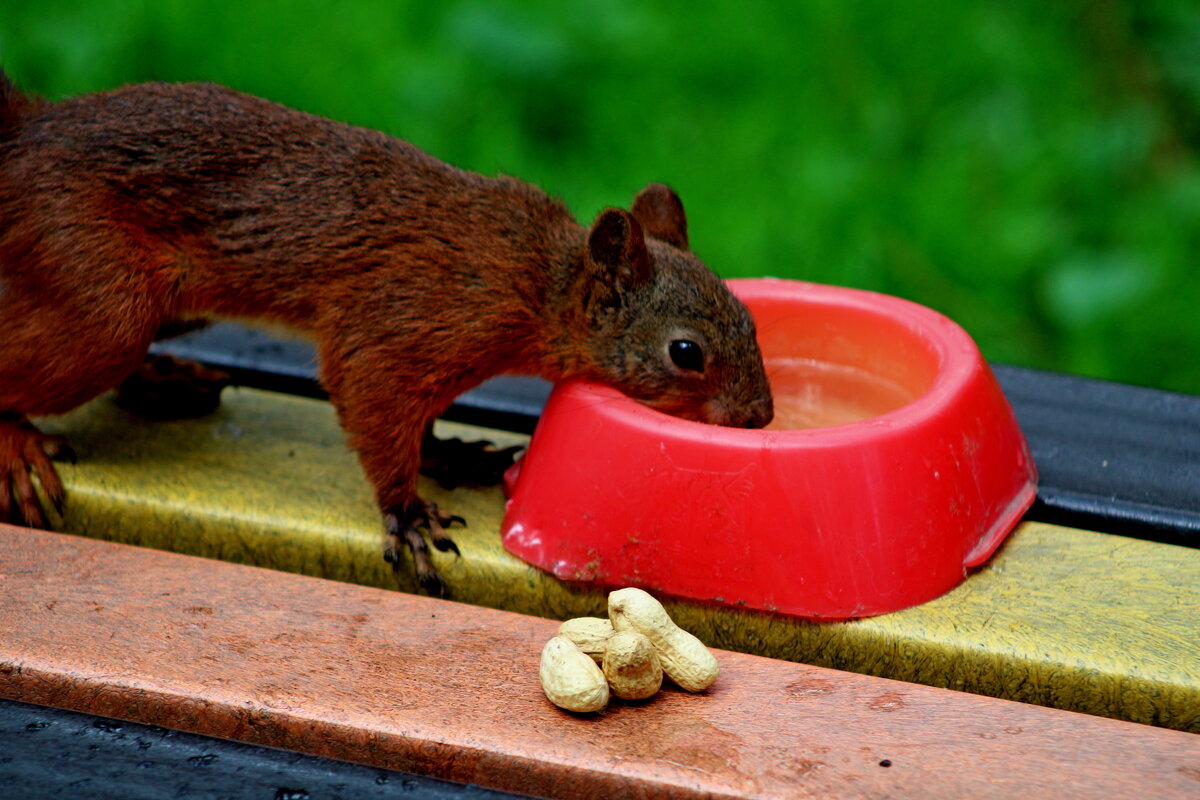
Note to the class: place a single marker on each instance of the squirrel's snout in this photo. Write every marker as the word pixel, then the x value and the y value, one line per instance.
pixel 762 419
pixel 757 415
pixel 760 415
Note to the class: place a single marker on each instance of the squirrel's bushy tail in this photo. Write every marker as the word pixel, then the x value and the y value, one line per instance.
pixel 13 104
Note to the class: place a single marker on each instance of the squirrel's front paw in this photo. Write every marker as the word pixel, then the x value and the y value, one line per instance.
pixel 408 527
pixel 24 450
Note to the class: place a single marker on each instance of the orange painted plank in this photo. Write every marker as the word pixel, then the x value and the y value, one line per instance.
pixel 451 690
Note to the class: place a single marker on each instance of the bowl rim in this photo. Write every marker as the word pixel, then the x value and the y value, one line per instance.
pixel 955 354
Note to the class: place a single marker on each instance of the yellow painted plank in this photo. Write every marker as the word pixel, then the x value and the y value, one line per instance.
pixel 1071 619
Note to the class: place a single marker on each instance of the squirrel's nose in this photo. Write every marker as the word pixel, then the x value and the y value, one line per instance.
pixel 761 414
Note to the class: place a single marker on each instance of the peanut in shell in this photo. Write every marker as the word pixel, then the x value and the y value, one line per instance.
pixel 683 657
pixel 590 634
pixel 631 666
pixel 570 678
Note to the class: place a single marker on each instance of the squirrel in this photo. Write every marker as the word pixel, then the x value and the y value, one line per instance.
pixel 157 205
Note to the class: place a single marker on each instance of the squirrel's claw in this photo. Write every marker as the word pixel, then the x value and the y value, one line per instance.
pixel 409 528
pixel 433 584
pixel 57 449
pixel 447 545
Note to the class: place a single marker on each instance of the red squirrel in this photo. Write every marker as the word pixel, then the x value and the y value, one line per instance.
pixel 156 205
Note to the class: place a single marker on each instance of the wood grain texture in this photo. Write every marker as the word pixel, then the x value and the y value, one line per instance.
pixel 451 690
pixel 1059 617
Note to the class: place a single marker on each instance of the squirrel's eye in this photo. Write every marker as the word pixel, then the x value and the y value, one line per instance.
pixel 687 355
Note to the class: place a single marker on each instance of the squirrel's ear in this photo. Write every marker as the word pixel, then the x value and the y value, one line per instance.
pixel 660 211
pixel 616 249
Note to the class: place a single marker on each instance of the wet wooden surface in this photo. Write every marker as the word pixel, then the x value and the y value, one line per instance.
pixel 451 690
pixel 1066 618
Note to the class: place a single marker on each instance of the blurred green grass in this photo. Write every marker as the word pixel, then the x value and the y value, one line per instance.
pixel 1028 169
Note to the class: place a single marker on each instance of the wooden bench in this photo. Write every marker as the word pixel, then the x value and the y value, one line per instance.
pixel 451 690
pixel 1064 618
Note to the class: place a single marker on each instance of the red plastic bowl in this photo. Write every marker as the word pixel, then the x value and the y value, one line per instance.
pixel 893 465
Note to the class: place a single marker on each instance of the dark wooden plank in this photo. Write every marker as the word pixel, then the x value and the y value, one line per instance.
pixel 50 752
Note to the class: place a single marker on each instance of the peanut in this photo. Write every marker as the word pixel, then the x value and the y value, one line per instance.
pixel 570 678
pixel 631 666
pixel 684 658
pixel 589 633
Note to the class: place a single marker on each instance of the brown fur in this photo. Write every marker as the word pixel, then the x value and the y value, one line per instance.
pixel 153 204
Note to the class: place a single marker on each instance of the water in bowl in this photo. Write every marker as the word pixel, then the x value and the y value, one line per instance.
pixel 818 394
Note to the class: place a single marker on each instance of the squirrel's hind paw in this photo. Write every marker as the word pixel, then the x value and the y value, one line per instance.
pixel 168 388
pixel 453 462
pixel 26 452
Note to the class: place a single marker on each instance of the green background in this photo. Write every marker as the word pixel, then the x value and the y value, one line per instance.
pixel 1027 168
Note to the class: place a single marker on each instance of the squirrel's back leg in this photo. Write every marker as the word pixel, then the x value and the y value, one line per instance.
pixel 58 350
